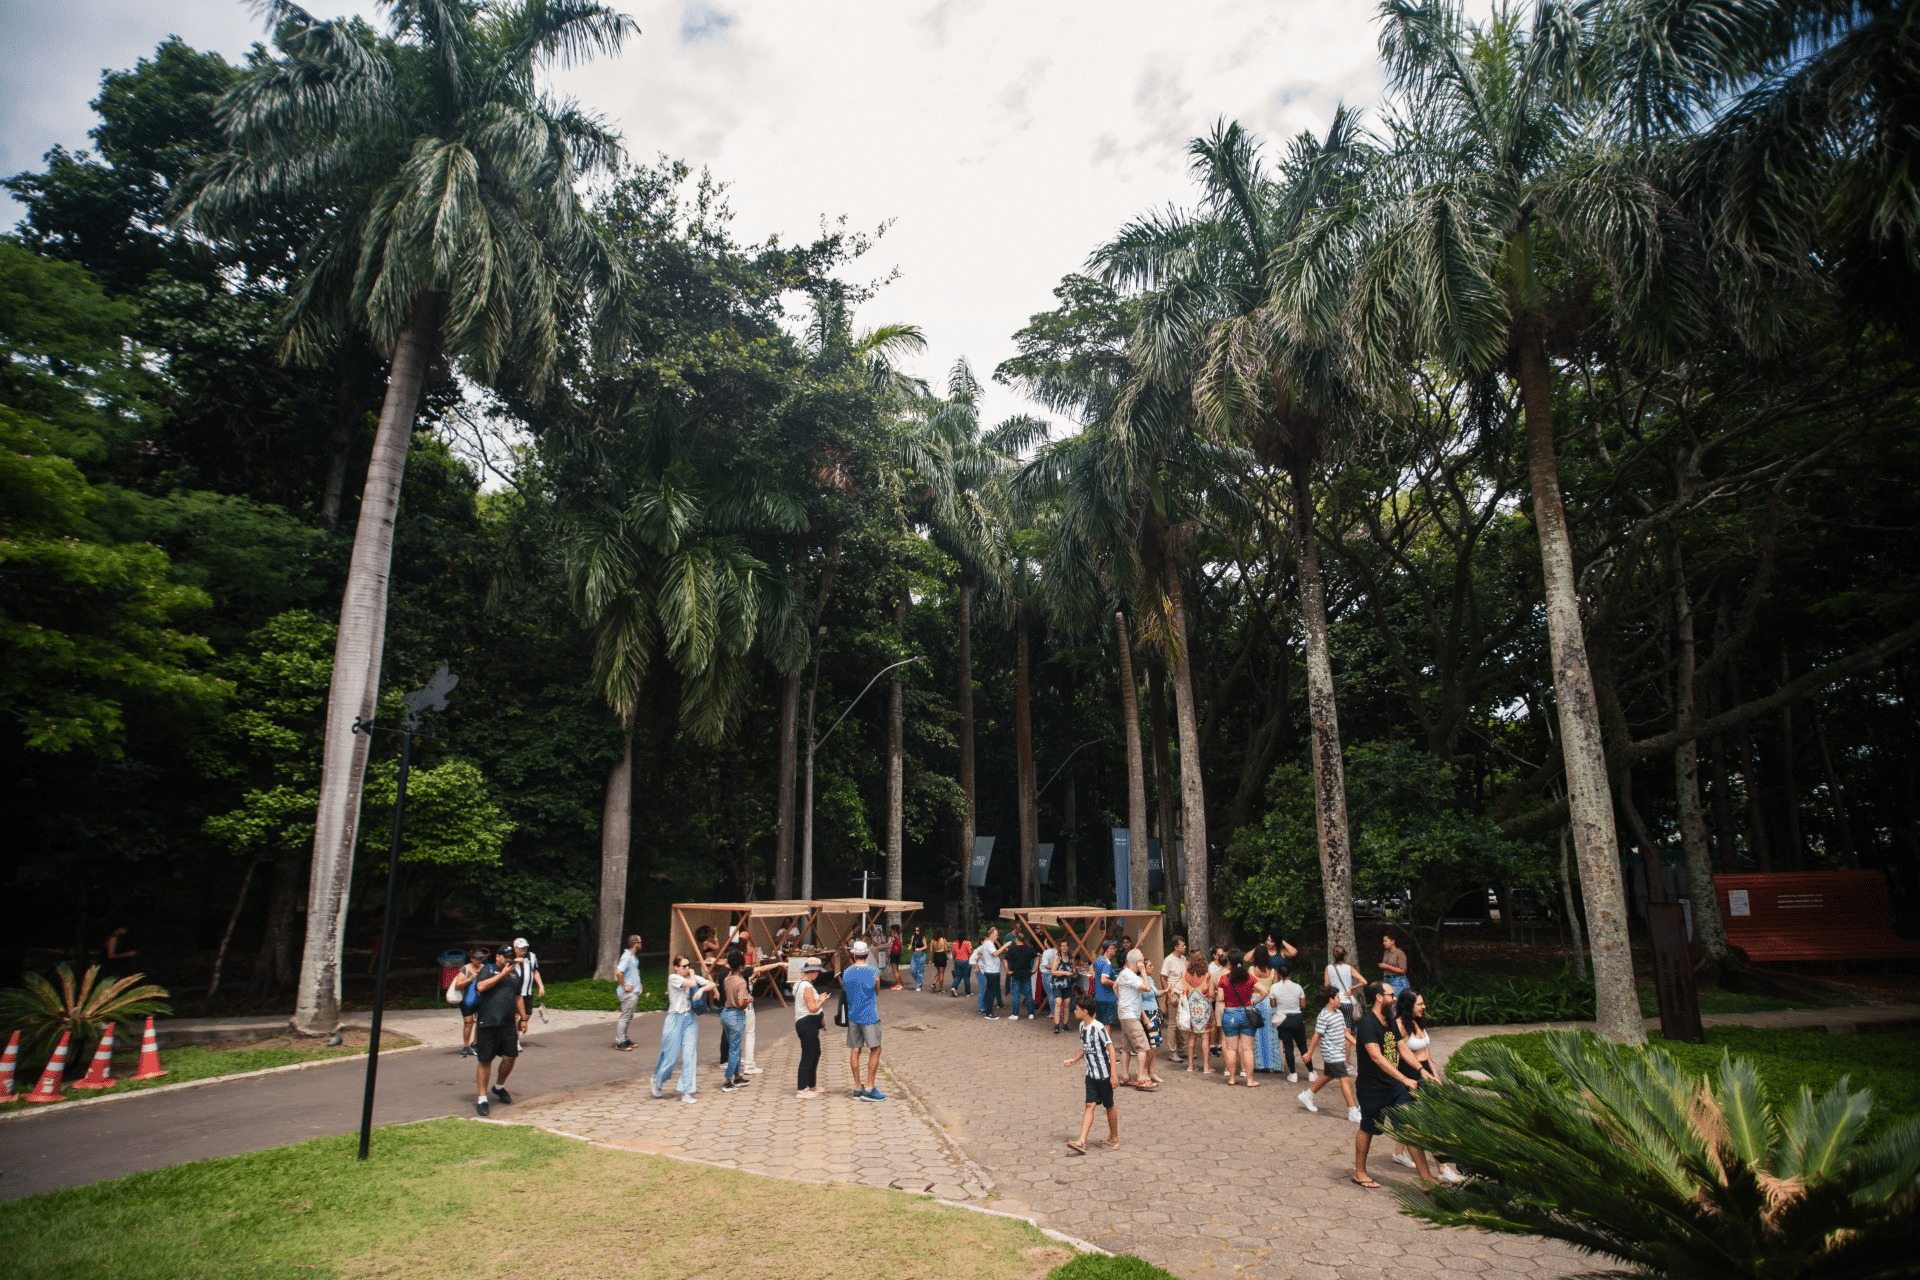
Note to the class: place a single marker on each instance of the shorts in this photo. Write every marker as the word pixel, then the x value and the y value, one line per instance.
pixel 1374 1110
pixel 1332 1070
pixel 496 1042
pixel 1100 1092
pixel 939 959
pixel 1107 1011
pixel 1233 1022
pixel 863 1035
pixel 1133 1036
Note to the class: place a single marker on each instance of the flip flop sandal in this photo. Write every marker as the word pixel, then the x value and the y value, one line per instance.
pixel 1109 1143
pixel 1369 1184
pixel 1076 1148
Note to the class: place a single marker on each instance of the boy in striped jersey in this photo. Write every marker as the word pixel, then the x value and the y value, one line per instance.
pixel 1096 1050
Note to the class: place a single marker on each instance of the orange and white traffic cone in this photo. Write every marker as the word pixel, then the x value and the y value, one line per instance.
pixel 100 1072
pixel 7 1064
pixel 150 1068
pixel 48 1090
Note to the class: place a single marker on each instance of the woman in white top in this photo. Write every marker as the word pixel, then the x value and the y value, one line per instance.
pixel 808 1016
pixel 1342 977
pixel 680 1030
pixel 1289 1022
pixel 1416 1060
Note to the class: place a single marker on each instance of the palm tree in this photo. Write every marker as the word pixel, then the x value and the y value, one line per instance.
pixel 1512 168
pixel 453 230
pixel 658 564
pixel 1257 380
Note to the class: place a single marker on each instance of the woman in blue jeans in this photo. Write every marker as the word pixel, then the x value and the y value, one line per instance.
pixel 1237 995
pixel 680 1030
pixel 736 999
pixel 918 949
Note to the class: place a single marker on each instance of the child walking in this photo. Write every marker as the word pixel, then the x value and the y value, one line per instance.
pixel 1332 1033
pixel 1096 1050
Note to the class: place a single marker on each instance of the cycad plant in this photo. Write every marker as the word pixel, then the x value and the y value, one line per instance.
pixel 1632 1158
pixel 41 1011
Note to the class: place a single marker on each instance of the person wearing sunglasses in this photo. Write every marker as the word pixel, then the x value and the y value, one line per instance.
pixel 680 1030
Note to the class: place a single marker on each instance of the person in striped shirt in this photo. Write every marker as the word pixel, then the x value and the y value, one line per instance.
pixel 1331 1035
pixel 1096 1050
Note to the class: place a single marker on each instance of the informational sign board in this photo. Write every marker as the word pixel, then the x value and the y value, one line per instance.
pixel 1156 874
pixel 1046 862
pixel 1122 871
pixel 1738 904
pixel 1673 973
pixel 977 865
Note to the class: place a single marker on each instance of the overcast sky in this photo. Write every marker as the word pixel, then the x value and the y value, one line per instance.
pixel 1001 140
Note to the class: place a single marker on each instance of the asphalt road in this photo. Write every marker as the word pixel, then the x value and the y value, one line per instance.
pixel 65 1148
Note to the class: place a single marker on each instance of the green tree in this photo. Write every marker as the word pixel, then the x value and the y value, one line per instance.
pixel 455 230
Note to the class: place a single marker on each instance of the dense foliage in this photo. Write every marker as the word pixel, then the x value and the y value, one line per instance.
pixel 696 505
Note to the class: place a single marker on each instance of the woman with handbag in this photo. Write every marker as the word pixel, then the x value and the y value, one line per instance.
pixel 1239 1020
pixel 809 1016
pixel 680 1029
pixel 1266 1045
pixel 1196 1003
pixel 465 992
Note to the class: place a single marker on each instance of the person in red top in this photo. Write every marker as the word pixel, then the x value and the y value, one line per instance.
pixel 962 967
pixel 1237 999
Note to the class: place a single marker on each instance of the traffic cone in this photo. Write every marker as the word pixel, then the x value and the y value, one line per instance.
pixel 48 1090
pixel 150 1068
pixel 100 1072
pixel 7 1064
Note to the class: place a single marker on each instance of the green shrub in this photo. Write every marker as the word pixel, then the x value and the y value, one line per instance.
pixel 591 993
pixel 1625 1153
pixel 1100 1266
pixel 1786 1060
pixel 1467 1000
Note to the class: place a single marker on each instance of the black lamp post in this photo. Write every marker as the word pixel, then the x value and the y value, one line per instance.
pixel 432 698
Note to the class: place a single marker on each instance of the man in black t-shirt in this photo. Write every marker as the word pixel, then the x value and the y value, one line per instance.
pixel 500 1010
pixel 1382 1085
pixel 1020 957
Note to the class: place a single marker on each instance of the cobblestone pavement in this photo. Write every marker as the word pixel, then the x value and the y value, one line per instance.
pixel 1208 1183
pixel 763 1128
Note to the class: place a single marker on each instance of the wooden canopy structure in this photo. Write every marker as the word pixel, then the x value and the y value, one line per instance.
pixel 841 920
pixel 1084 928
pixel 759 921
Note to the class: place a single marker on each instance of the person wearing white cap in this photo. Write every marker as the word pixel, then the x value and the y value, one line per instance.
pixel 860 984
pixel 531 983
pixel 808 1017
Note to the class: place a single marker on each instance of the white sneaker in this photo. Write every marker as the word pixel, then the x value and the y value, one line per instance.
pixel 1293 1077
pixel 687 1098
pixel 1312 1076
pixel 753 1071
pixel 1029 1017
pixel 1401 1157
pixel 1306 1100
pixel 656 1089
pixel 1353 1114
pixel 1450 1174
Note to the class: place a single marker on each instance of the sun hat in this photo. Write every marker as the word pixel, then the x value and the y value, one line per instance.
pixel 519 942
pixel 813 964
pixel 859 948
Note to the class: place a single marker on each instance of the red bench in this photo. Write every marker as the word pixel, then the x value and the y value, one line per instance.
pixel 1785 917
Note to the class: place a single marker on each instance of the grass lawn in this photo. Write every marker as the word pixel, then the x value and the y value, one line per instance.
pixel 460 1198
pixel 1786 1060
pixel 591 993
pixel 200 1062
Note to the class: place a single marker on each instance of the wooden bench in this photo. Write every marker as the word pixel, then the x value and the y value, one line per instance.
pixel 1786 917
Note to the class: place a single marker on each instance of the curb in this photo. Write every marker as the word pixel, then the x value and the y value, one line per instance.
pixel 959 1153
pixel 105 1098
pixel 1072 1242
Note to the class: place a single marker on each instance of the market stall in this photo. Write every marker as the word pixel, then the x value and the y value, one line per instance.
pixel 840 920
pixel 1082 929
pixel 776 929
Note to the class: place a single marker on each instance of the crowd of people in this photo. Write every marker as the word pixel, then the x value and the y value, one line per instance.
pixel 1235 1013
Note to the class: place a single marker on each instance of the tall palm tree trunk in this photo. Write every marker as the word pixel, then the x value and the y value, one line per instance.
pixel 1708 928
pixel 616 851
pixel 1163 791
pixel 358 647
pixel 1323 720
pixel 1023 759
pixel 1193 799
pixel 1589 801
pixel 1136 770
pixel 896 766
pixel 788 767
pixel 964 700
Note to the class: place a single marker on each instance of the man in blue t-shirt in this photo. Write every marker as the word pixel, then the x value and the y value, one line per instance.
pixel 1106 994
pixel 860 985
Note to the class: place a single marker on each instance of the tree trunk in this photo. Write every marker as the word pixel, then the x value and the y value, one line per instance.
pixel 1757 842
pixel 1589 803
pixel 1836 795
pixel 1163 791
pixel 220 954
pixel 273 965
pixel 1024 785
pixel 1193 798
pixel 1136 768
pixel 1069 852
pixel 1790 789
pixel 1650 865
pixel 896 765
pixel 616 852
pixel 1709 931
pixel 358 647
pixel 1323 716
pixel 788 767
pixel 1573 916
pixel 969 814
pixel 340 441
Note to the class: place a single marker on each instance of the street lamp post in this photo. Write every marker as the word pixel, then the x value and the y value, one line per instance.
pixel 431 698
pixel 806 824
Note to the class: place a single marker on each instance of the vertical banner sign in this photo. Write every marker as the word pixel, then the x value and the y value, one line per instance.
pixel 1122 873
pixel 1046 862
pixel 977 865
pixel 1156 875
pixel 1673 973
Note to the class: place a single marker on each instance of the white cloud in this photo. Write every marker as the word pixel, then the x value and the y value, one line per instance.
pixel 1001 140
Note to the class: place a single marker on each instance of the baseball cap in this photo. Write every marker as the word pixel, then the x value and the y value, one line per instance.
pixel 859 948
pixel 519 942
